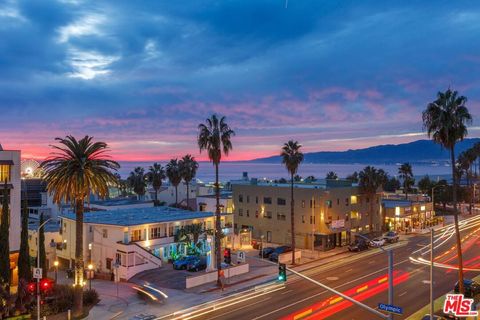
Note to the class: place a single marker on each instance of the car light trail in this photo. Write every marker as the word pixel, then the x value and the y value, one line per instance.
pixel 334 304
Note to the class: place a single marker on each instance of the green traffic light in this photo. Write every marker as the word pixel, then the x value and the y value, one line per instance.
pixel 280 278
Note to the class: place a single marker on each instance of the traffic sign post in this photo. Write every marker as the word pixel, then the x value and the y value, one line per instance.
pixel 37 273
pixel 390 308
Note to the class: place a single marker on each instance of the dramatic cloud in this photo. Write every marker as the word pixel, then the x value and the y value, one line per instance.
pixel 141 75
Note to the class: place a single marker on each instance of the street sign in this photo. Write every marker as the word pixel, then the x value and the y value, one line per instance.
pixel 37 273
pixel 390 308
pixel 241 257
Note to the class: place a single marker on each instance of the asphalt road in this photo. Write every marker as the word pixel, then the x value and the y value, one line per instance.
pixel 365 278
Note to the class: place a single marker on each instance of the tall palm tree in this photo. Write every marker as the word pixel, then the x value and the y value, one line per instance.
pixel 371 180
pixel 215 137
pixel 138 181
pixel 76 169
pixel 155 175
pixel 174 175
pixel 188 171
pixel 291 158
pixel 445 120
pixel 331 175
pixel 405 173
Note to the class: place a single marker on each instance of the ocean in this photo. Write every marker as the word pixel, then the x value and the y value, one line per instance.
pixel 233 170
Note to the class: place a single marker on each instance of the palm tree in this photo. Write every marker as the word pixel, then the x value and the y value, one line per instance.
pixel 188 171
pixel 173 174
pixel 155 175
pixel 331 176
pixel 291 158
pixel 405 173
pixel 214 136
pixel 445 120
pixel 76 169
pixel 137 181
pixel 370 181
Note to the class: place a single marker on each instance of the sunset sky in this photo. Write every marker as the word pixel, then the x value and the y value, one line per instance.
pixel 141 75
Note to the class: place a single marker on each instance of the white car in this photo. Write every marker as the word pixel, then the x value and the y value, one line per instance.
pixel 377 242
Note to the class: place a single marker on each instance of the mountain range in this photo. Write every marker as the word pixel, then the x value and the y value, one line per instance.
pixel 416 152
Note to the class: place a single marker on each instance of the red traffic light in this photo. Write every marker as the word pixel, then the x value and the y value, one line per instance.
pixel 227 252
pixel 31 287
pixel 46 284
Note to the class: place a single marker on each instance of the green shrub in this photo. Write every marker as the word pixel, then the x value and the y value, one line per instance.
pixel 90 297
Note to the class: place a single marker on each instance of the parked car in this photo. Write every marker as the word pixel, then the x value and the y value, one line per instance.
pixel 278 251
pixel 196 264
pixel 266 252
pixel 149 292
pixel 472 288
pixel 357 246
pixel 183 262
pixel 391 237
pixel 377 242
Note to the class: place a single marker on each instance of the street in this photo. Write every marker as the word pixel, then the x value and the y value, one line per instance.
pixel 365 280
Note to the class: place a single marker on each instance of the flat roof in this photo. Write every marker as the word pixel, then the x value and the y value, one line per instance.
pixel 118 202
pixel 139 216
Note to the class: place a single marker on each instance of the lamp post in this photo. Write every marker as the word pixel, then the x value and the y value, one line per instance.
pixel 90 271
pixel 261 237
pixel 55 263
pixel 38 266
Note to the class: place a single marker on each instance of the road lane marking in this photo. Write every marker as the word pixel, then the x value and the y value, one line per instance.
pixel 402 294
pixel 286 291
pixel 236 309
pixel 302 314
pixel 365 287
pixel 348 270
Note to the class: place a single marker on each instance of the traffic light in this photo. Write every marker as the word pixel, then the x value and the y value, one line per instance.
pixel 227 256
pixel 46 285
pixel 31 287
pixel 282 272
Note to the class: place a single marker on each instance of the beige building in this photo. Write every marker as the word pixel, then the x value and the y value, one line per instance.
pixel 406 215
pixel 10 173
pixel 326 214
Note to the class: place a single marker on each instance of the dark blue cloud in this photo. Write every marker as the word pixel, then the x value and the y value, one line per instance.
pixel 317 70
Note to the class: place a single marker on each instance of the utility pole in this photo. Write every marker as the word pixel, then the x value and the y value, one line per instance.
pixel 431 273
pixel 390 279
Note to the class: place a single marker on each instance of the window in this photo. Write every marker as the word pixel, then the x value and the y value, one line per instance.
pixel 256 213
pixel 303 219
pixel 90 229
pixel 256 200
pixel 338 201
pixel 248 199
pixel 312 219
pixel 281 201
pixel 248 213
pixel 5 172
pixel 355 215
pixel 170 231
pixel 136 235
pixel 329 203
pixel 240 198
pixel 267 200
pixel 281 216
pixel 346 201
pixel 155 233
pixel 312 203
pixel 105 233
pixel 353 199
pixel 303 203
pixel 240 212
pixel 268 215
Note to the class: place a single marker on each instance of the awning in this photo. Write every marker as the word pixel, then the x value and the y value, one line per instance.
pixel 6 162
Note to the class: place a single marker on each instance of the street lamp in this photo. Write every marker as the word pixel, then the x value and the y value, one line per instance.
pixel 38 266
pixel 55 263
pixel 90 271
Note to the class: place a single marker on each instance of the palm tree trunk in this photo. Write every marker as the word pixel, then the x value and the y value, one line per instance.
pixel 455 215
pixel 292 220
pixel 156 196
pixel 176 195
pixel 218 250
pixel 372 199
pixel 188 198
pixel 78 286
